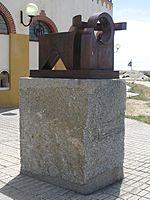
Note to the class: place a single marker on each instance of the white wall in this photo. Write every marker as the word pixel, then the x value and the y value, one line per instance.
pixel 34 55
pixel 60 11
pixel 4 52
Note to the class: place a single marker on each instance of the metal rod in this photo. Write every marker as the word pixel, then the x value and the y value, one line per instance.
pixel 21 19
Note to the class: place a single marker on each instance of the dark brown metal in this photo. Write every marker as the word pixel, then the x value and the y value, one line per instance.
pixel 88 48
pixel 82 74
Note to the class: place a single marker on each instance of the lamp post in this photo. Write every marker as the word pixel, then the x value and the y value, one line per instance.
pixel 117 48
pixel 31 10
pixel 130 64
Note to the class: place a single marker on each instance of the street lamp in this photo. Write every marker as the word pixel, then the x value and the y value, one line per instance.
pixel 31 10
pixel 117 48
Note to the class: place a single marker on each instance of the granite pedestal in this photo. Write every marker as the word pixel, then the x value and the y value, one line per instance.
pixel 72 131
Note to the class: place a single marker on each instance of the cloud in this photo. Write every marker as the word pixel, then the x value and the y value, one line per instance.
pixel 135 45
pixel 131 14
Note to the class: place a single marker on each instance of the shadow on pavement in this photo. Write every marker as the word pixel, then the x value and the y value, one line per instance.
pixel 5 110
pixel 9 114
pixel 27 188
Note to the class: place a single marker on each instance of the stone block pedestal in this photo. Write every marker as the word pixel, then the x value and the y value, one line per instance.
pixel 72 131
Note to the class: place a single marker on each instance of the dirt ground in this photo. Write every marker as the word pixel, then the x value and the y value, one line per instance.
pixel 146 83
pixel 137 107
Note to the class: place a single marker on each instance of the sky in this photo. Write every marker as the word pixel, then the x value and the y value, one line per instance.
pixel 135 41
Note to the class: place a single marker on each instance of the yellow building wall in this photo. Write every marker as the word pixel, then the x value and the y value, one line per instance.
pixel 19 67
pixel 59 65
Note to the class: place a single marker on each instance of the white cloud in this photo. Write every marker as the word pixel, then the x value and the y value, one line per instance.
pixel 131 13
pixel 135 45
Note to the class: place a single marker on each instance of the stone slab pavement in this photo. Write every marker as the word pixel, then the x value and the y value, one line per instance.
pixel 136 184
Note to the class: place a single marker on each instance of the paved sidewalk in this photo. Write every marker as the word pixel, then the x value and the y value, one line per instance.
pixel 136 184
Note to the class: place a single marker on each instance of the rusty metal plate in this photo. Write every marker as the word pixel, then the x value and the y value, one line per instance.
pixel 87 49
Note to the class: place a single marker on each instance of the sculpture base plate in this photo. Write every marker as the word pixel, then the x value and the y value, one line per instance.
pixel 74 74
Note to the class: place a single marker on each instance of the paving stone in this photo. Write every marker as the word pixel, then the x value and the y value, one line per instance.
pixel 143 193
pixel 134 197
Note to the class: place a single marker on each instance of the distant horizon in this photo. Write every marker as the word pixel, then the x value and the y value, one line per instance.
pixel 133 70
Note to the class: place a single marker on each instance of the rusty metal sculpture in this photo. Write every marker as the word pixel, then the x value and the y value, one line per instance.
pixel 87 50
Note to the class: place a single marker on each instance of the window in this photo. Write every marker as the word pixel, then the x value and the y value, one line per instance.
pixel 3 26
pixel 4 79
pixel 37 29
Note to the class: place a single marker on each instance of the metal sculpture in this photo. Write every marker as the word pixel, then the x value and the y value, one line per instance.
pixel 87 50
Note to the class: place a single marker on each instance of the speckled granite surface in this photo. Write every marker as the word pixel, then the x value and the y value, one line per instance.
pixel 72 131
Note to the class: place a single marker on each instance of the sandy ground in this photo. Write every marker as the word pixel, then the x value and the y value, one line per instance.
pixel 146 83
pixel 137 107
